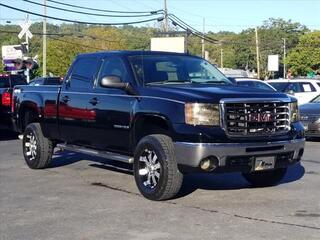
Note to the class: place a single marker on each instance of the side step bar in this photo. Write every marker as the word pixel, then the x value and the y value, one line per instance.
pixel 93 152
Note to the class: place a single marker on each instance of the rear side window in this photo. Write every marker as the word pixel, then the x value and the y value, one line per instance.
pixel 307 87
pixel 52 81
pixel 318 84
pixel 84 71
pixel 295 87
pixel 280 86
pixel 246 83
pixel 18 80
pixel 4 82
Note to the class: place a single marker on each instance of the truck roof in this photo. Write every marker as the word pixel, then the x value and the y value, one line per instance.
pixel 129 53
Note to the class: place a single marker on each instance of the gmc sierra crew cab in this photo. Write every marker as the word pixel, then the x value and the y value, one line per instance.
pixel 166 113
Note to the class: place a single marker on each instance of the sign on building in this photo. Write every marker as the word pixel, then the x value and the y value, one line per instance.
pixel 273 63
pixel 168 44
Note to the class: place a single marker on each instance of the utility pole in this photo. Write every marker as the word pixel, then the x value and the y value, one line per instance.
pixel 202 40
pixel 221 63
pixel 284 58
pixel 258 53
pixel 165 26
pixel 44 38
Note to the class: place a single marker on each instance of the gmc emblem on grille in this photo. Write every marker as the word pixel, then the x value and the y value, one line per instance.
pixel 261 117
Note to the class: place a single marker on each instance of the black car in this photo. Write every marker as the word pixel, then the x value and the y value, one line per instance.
pixel 46 81
pixel 7 82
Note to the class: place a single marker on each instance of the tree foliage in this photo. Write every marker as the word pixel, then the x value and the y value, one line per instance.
pixel 305 57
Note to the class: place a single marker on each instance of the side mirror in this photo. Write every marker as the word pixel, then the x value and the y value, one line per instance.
pixel 113 82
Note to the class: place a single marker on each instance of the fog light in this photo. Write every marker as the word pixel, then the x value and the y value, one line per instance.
pixel 209 164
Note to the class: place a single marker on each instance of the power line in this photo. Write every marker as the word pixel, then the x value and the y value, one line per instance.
pixel 88 13
pixel 99 10
pixel 81 22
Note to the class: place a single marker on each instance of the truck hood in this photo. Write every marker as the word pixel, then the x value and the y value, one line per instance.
pixel 310 108
pixel 207 92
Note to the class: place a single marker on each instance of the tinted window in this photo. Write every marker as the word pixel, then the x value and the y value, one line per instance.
pixel 4 82
pixel 316 100
pixel 280 86
pixel 52 81
pixel 295 87
pixel 318 84
pixel 84 71
pixel 17 80
pixel 245 83
pixel 262 85
pixel 114 67
pixel 307 87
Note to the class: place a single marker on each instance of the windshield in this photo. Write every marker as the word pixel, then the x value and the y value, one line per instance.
pixel 316 100
pixel 166 69
pixel 280 86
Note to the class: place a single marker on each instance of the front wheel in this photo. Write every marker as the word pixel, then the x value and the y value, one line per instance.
pixel 155 168
pixel 265 178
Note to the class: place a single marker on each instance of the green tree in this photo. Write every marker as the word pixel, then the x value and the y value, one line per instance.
pixel 305 57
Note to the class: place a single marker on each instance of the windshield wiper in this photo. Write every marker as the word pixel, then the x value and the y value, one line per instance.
pixel 215 82
pixel 170 81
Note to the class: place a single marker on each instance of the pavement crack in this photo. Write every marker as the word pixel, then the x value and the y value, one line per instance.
pixel 113 188
pixel 99 184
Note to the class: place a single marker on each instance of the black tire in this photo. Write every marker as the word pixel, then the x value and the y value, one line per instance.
pixel 37 149
pixel 157 151
pixel 265 178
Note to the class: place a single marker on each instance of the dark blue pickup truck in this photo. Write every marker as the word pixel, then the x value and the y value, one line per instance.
pixel 166 113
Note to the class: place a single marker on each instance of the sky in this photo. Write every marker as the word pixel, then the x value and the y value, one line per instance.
pixel 220 15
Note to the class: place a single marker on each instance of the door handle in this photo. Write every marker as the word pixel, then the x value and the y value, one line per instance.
pixel 65 99
pixel 94 101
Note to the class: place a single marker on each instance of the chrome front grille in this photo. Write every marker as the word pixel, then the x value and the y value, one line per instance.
pixel 256 119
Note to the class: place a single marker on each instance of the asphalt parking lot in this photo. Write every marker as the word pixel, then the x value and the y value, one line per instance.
pixel 81 197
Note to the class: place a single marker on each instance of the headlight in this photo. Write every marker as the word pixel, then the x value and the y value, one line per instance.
pixel 202 114
pixel 294 111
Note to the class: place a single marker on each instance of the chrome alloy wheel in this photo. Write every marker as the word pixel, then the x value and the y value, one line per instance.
pixel 149 169
pixel 31 146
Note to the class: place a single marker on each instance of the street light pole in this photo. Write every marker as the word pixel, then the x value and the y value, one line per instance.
pixel 165 27
pixel 202 40
pixel 44 38
pixel 284 58
pixel 257 52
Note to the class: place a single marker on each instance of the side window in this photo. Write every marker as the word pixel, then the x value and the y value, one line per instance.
pixel 318 84
pixel 245 83
pixel 114 66
pixel 307 87
pixel 83 72
pixel 262 86
pixel 295 87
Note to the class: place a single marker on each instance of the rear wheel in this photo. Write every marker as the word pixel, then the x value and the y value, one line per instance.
pixel 37 149
pixel 265 178
pixel 155 168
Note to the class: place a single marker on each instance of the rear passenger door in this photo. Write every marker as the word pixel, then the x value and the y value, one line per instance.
pixel 74 98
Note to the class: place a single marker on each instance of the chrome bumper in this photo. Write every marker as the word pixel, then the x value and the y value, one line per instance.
pixel 190 154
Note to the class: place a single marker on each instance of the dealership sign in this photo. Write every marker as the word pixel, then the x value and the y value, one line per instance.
pixel 273 63
pixel 12 52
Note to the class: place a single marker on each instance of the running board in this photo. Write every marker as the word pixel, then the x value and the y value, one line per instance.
pixel 93 152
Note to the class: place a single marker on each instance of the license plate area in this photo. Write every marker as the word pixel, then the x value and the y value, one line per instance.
pixel 264 163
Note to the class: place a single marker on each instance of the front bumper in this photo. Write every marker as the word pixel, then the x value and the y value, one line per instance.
pixel 312 129
pixel 242 154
